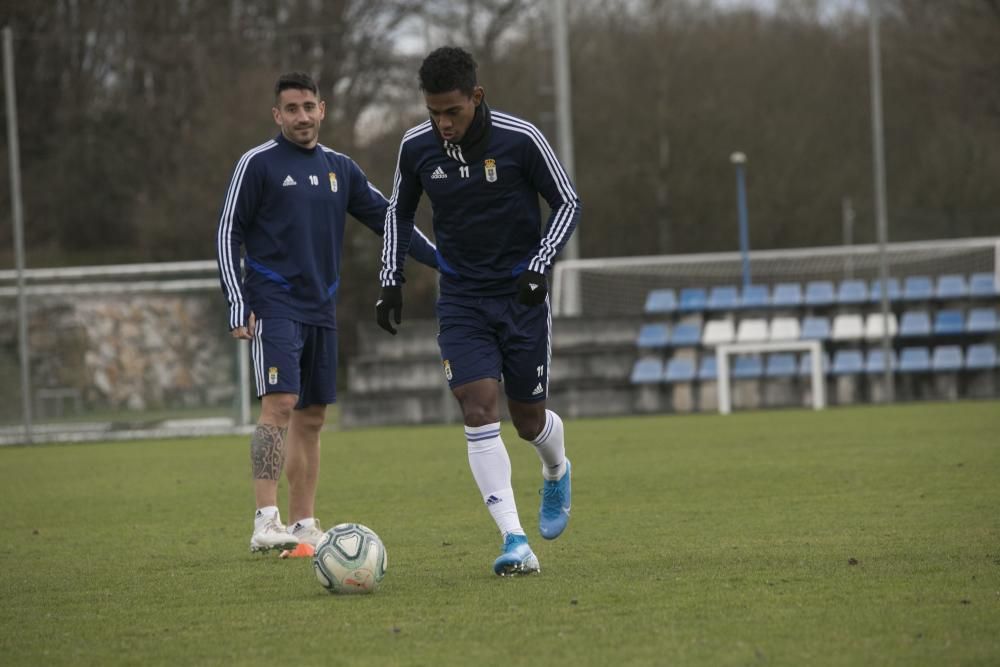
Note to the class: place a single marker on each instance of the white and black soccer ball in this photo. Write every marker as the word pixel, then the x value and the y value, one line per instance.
pixel 350 559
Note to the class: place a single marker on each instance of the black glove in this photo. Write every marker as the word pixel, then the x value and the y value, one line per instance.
pixel 390 300
pixel 532 288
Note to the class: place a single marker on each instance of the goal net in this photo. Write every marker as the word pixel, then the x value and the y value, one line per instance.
pixel 619 286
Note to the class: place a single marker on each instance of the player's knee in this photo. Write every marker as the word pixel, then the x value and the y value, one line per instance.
pixel 528 427
pixel 277 408
pixel 479 415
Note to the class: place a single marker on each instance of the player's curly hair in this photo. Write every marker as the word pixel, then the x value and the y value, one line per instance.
pixel 297 80
pixel 448 68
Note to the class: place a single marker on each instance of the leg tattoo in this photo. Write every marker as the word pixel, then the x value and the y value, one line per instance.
pixel 267 451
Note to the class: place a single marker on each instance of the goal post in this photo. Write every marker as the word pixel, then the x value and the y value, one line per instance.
pixel 813 347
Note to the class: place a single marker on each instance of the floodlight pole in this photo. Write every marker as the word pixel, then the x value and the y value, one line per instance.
pixel 17 213
pixel 564 140
pixel 739 160
pixel 882 216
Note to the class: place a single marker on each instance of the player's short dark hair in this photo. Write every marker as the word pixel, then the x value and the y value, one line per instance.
pixel 297 80
pixel 448 68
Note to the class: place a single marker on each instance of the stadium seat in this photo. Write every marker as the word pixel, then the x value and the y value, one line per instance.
pixel 686 334
pixel 747 367
pixel 780 365
pixel 982 320
pixel 805 363
pixel 875 325
pixel 947 358
pixel 661 301
pixel 718 332
pixel 752 331
pixel 819 293
pixel 917 288
pixel 815 328
pixel 852 292
pixel 755 296
pixel 692 300
pixel 914 360
pixel 847 362
pixel 785 328
pixel 679 370
pixel 948 323
pixel 875 361
pixel 847 327
pixel 981 357
pixel 725 297
pixel 915 323
pixel 653 336
pixel 707 369
pixel 787 295
pixel 875 293
pixel 983 286
pixel 647 371
pixel 951 287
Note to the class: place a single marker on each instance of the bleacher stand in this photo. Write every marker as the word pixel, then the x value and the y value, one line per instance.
pixel 983 286
pixel 693 300
pixel 787 295
pixel 918 288
pixel 723 298
pixel 951 287
pixel 819 293
pixel 785 328
pixel 875 291
pixel 653 336
pixel 948 323
pixel 982 321
pixel 752 330
pixel 946 363
pixel 852 293
pixel 816 328
pixel 847 327
pixel 686 334
pixel 755 297
pixel 718 332
pixel 915 324
pixel 875 325
pixel 661 301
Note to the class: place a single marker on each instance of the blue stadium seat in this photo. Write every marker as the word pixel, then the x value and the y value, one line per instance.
pixel 947 358
pixel 982 320
pixel 951 287
pixel 679 370
pixel 805 363
pixel 755 296
pixel 948 323
pixel 875 293
pixel 747 367
pixel 819 293
pixel 653 336
pixel 983 286
pixel 647 371
pixel 875 361
pixel 914 360
pixel 781 365
pixel 692 300
pixel 852 291
pixel 848 362
pixel 981 357
pixel 686 334
pixel 661 301
pixel 915 323
pixel 708 370
pixel 815 328
pixel 725 297
pixel 786 295
pixel 917 288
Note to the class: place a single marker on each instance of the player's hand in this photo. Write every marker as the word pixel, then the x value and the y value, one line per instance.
pixel 390 301
pixel 246 333
pixel 531 288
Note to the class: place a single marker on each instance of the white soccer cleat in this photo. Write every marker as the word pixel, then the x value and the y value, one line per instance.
pixel 307 535
pixel 272 535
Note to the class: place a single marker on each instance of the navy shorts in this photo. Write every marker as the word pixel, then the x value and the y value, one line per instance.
pixel 496 337
pixel 294 358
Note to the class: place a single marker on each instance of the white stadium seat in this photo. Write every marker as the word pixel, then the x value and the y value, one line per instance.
pixel 718 332
pixel 785 328
pixel 875 325
pixel 752 331
pixel 847 327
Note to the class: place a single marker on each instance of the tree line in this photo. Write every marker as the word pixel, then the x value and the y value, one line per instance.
pixel 132 115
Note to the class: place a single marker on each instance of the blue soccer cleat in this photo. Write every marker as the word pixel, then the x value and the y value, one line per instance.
pixel 517 557
pixel 553 515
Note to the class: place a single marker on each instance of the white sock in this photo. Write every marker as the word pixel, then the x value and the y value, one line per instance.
pixel 551 447
pixel 262 515
pixel 491 470
pixel 306 523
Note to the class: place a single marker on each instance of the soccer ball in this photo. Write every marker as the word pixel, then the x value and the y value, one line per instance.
pixel 350 559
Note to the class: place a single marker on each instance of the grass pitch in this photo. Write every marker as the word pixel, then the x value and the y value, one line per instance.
pixel 846 537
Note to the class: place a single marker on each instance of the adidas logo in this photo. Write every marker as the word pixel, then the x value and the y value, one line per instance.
pixel 493 500
pixel 532 286
pixel 438 173
pixel 537 390
pixel 288 181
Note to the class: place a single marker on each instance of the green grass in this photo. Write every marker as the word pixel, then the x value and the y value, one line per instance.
pixel 847 537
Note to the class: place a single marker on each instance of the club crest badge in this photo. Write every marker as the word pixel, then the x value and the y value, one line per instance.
pixel 447 369
pixel 272 375
pixel 333 182
pixel 491 170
